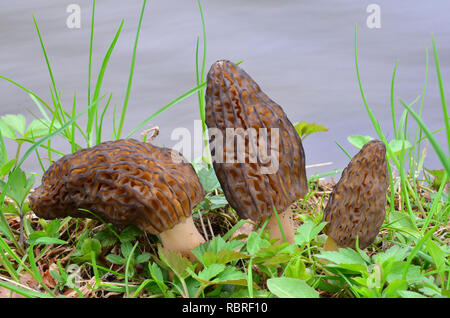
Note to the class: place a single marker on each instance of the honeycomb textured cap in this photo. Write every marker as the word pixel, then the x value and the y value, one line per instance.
pixel 123 182
pixel 357 205
pixel 254 182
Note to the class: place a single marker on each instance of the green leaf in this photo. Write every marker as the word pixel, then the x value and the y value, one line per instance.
pixel 218 201
pixel 343 256
pixel 144 257
pixel 285 287
pixel 19 186
pixel 106 238
pixel 49 240
pixel 304 129
pixel 437 254
pixel 410 294
pixel 38 128
pixel 392 291
pixel 226 256
pixel 396 272
pixel 255 243
pixel 116 259
pixel 130 233
pixel 88 246
pixel 15 123
pixel 211 271
pixel 359 141
pixel 208 179
pixel 307 232
pixel 126 248
pixel 231 275
pixel 297 269
pixel 177 263
pixel 6 168
pixel 397 145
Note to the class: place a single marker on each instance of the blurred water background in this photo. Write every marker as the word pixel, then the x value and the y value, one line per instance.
pixel 300 52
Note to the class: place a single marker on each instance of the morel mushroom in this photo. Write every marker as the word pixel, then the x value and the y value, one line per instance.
pixel 125 182
pixel 357 205
pixel 245 125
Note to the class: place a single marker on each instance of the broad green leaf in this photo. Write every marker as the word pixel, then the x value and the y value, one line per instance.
pixel 226 256
pixel 91 245
pixel 410 294
pixel 116 259
pixel 304 129
pixel 130 233
pixel 396 145
pixel 401 221
pixel 286 287
pixel 231 275
pixel 126 248
pixel 6 168
pixel 49 240
pixel 437 254
pixel 211 271
pixel 142 258
pixel 15 123
pixel 37 129
pixel 208 179
pixel 396 273
pixel 359 141
pixel 177 263
pixel 343 256
pixel 218 201
pixel 255 243
pixel 19 186
pixel 392 291
pixel 307 232
pixel 297 269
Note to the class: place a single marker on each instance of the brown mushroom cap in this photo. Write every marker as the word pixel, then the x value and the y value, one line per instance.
pixel 357 205
pixel 123 182
pixel 234 100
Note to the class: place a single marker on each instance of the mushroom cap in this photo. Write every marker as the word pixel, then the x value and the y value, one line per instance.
pixel 234 100
pixel 123 182
pixel 357 205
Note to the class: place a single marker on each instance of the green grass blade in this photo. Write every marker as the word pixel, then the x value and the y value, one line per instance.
pixel 441 91
pixel 442 157
pixel 24 291
pixel 91 40
pixel 392 101
pixel 165 107
pixel 92 114
pixel 46 59
pixel 130 77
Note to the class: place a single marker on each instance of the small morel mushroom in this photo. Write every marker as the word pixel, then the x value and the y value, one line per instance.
pixel 245 125
pixel 125 182
pixel 357 205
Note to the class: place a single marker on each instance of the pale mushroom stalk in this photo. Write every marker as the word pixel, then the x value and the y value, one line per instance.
pixel 287 224
pixel 182 238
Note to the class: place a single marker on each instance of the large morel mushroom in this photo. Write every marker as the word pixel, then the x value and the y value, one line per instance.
pixel 357 205
pixel 125 182
pixel 255 187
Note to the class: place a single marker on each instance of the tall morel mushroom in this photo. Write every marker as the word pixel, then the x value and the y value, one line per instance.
pixel 125 182
pixel 357 205
pixel 254 182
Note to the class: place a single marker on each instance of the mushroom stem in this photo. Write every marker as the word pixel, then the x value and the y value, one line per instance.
pixel 331 245
pixel 287 223
pixel 182 238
